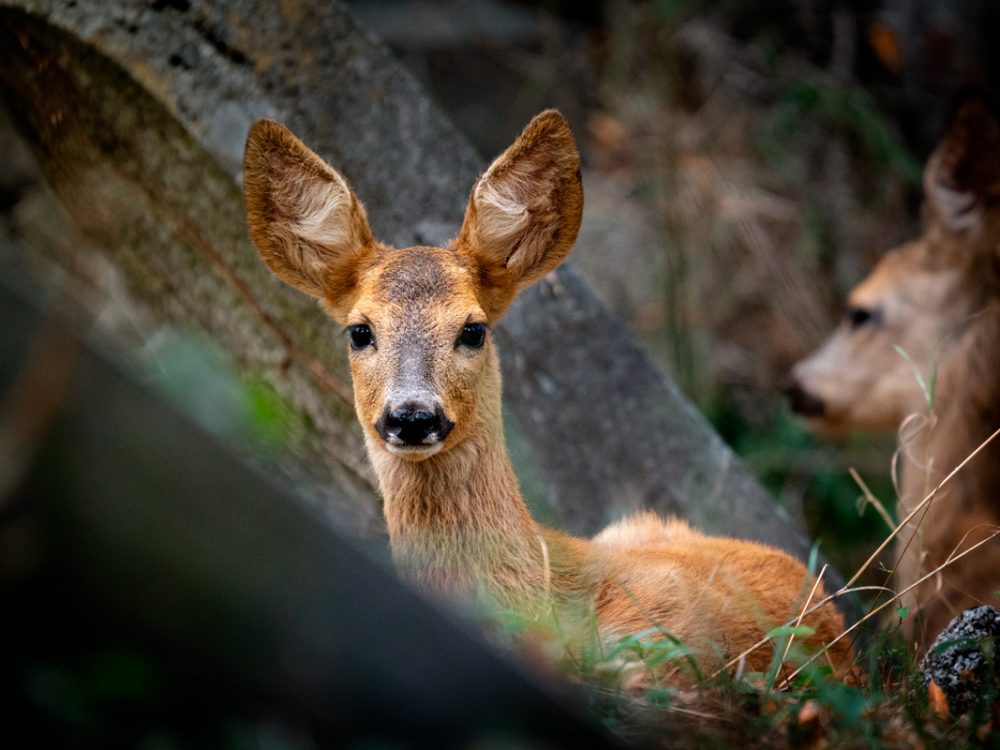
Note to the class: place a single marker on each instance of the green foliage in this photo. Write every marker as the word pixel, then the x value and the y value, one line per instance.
pixel 886 707
pixel 649 683
pixel 196 377
pixel 844 112
pixel 268 413
pixel 655 648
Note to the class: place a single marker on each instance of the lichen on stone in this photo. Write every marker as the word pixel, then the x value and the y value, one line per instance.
pixel 962 661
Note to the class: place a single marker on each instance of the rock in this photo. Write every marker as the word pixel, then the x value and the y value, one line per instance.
pixel 962 661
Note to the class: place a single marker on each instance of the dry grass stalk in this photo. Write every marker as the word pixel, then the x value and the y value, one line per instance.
pixel 849 587
pixel 874 611
pixel 870 498
pixel 802 614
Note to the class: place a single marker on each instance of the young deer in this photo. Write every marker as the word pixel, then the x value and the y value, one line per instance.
pixel 937 299
pixel 427 393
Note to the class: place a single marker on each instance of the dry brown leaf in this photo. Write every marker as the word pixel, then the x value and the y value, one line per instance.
pixel 887 46
pixel 937 699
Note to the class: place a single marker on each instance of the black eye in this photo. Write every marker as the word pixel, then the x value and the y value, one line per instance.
pixel 473 335
pixel 361 336
pixel 858 316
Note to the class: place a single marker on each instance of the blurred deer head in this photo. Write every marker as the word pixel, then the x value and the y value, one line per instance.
pixel 919 299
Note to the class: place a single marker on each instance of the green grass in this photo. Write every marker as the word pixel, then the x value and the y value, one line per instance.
pixel 888 707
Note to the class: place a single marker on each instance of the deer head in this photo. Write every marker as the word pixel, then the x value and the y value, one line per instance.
pixel 418 320
pixel 920 297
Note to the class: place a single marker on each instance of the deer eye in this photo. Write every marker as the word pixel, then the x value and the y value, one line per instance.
pixel 473 335
pixel 859 316
pixel 360 336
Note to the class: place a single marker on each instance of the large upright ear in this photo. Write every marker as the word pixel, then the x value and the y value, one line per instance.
pixel 524 212
pixel 962 178
pixel 307 224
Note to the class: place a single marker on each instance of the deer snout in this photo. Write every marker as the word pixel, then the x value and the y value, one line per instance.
pixel 802 401
pixel 413 425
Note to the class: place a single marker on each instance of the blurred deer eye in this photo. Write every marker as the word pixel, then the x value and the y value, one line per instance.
pixel 473 335
pixel 361 336
pixel 858 316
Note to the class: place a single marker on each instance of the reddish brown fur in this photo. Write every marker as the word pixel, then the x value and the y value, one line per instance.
pixel 457 521
pixel 940 301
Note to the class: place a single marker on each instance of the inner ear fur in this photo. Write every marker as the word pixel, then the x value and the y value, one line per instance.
pixel 304 219
pixel 524 212
pixel 962 178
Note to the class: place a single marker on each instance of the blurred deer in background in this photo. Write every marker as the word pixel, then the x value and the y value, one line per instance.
pixel 932 305
pixel 427 393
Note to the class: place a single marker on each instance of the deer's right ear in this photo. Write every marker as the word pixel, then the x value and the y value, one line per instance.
pixel 524 212
pixel 962 179
pixel 307 224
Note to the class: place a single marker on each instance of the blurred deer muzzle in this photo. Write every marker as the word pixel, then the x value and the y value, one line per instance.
pixel 801 401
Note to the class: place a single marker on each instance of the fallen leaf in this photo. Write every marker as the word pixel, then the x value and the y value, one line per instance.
pixel 937 700
pixel 887 46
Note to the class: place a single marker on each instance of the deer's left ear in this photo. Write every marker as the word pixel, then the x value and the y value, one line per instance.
pixel 962 179
pixel 524 212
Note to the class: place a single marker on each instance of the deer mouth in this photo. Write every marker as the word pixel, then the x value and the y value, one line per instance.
pixel 414 452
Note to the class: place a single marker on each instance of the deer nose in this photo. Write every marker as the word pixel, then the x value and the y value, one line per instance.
pixel 413 424
pixel 801 401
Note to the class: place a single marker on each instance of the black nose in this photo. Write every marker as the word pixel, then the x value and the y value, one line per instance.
pixel 801 401
pixel 413 424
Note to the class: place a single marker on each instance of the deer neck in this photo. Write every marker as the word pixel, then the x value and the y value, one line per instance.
pixel 963 513
pixel 458 523
pixel 966 411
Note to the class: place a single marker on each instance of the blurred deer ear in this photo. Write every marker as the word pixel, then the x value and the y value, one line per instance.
pixel 524 212
pixel 962 179
pixel 307 224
